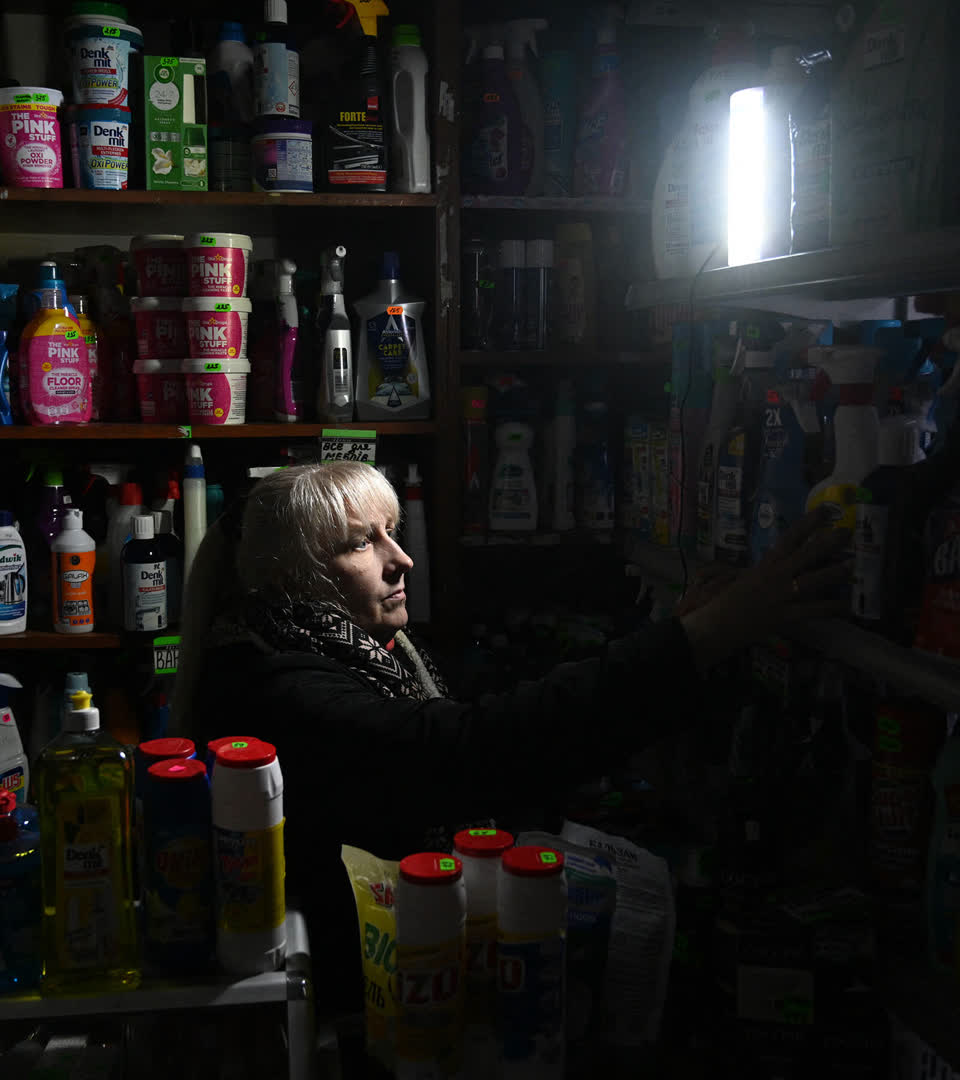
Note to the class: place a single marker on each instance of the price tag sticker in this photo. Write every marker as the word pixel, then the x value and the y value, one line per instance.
pixel 337 444
pixel 482 832
pixel 208 241
pixel 166 655
pixel 110 31
pixel 222 307
pixel 447 864
pixel 548 858
pixel 185 431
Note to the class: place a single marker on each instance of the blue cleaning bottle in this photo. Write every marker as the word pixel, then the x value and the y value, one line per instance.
pixel 559 74
pixel 21 905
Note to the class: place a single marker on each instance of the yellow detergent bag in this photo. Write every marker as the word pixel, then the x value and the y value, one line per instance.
pixel 374 884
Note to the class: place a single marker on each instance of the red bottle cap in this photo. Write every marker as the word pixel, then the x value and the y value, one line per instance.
pixel 533 861
pixel 161 749
pixel 8 827
pixel 131 495
pixel 176 770
pixel 431 868
pixel 214 745
pixel 246 754
pixel 483 843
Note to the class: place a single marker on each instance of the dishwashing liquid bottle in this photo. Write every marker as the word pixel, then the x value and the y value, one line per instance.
pixel 84 785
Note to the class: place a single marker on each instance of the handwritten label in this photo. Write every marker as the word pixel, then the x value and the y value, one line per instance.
pixel 222 307
pixel 344 445
pixel 166 655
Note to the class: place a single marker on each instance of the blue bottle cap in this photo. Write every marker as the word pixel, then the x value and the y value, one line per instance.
pixel 232 31
pixel 6 518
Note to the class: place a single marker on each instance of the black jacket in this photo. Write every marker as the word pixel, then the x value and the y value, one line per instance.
pixel 377 772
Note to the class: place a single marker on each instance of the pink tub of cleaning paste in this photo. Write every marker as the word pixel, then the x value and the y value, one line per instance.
pixel 30 154
pixel 218 264
pixel 216 391
pixel 162 390
pixel 161 329
pixel 216 329
pixel 161 265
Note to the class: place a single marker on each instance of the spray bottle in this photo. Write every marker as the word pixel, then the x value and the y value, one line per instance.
pixel 726 397
pixel 276 67
pixel 194 511
pixel 288 389
pixel 558 79
pixel 14 767
pixel 856 426
pixel 335 397
pixel 561 436
pixel 494 140
pixel 521 34
pixel 602 152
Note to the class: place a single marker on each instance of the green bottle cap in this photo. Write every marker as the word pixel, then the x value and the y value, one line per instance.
pixel 407 34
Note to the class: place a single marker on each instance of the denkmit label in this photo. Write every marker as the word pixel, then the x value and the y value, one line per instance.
pixel 100 145
pixel 100 59
pixel 218 264
pixel 30 137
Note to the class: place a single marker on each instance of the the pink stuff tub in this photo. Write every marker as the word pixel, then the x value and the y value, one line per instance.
pixel 30 155
pixel 216 391
pixel 161 329
pixel 216 329
pixel 218 264
pixel 161 265
pixel 162 390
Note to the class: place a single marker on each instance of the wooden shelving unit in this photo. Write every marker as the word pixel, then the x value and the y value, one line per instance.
pixel 145 432
pixel 222 199
pixel 564 355
pixel 47 640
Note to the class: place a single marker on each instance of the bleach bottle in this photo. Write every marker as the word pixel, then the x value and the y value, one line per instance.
pixel 13 577
pixel 14 769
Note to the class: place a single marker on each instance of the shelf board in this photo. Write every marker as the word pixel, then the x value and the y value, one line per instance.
pixel 557 355
pixel 597 204
pixel 223 199
pixel 38 640
pixel 898 265
pixel 71 432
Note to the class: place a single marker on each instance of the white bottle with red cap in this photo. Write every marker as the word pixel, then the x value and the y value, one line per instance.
pixel 431 919
pixel 532 917
pixel 481 851
pixel 247 796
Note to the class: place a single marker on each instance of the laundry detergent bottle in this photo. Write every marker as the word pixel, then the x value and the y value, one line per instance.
pixel 602 136
pixel 392 378
pixel 495 136
pixel 54 356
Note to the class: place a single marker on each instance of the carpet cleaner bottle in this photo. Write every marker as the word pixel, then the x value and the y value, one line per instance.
pixel 14 768
pixel 84 786
pixel 74 558
pixel 13 577
pixel 21 905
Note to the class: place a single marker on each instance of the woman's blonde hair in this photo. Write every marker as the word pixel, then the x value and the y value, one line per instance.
pixel 294 521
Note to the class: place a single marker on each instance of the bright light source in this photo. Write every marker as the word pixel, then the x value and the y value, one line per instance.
pixel 747 177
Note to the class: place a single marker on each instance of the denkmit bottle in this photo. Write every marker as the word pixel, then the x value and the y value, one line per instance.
pixel 481 850
pixel 178 870
pixel 247 790
pixel 531 911
pixel 13 577
pixel 144 580
pixel 431 915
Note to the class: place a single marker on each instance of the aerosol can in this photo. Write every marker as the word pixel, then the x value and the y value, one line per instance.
pixel 335 395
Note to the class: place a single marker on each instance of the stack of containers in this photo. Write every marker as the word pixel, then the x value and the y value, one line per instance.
pixel 161 267
pixel 216 314
pixel 100 42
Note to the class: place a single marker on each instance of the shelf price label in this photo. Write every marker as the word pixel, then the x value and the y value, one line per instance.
pixel 337 444
pixel 166 655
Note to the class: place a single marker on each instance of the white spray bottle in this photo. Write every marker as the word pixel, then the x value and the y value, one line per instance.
pixel 14 767
pixel 194 511
pixel 521 34
pixel 335 392
pixel 417 583
pixel 513 493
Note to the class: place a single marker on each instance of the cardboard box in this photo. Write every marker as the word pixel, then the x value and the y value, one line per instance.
pixel 175 129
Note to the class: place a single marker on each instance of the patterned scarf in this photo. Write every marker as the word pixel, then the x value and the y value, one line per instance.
pixel 310 627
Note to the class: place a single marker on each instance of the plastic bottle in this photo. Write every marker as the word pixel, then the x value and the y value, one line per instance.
pixel 513 492
pixel 477 295
pixel 178 925
pixel 531 915
pixel 521 34
pixel 91 338
pixel 810 134
pixel 13 577
pixel 119 531
pixel 289 390
pixel 194 511
pixel 276 66
pixel 431 909
pixel 538 294
pixel 14 766
pixel 480 852
pixel 9 323
pixel 495 137
pixel 84 785
pixel 602 151
pixel 595 488
pixel 53 358
pixel 247 814
pixel 74 557
pixel 856 427
pixel 559 75
pixel 943 862
pixel 230 79
pixel 21 904
pixel 476 459
pixel 511 298
pixel 144 580
pixel 726 398
pixel 670 218
pixel 559 480
pixel 576 284
pixel 417 582
pixel 393 381
pixel 336 383
pixel 409 138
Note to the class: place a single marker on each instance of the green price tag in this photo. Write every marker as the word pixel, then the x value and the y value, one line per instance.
pixel 343 444
pixel 90 339
pixel 169 61
pixel 208 241
pixel 448 864
pixel 166 655
pixel 239 745
pixel 482 832
pixel 110 31
pixel 222 307
pixel 41 99
pixel 185 430
pixel 22 99
pixel 71 335
pixel 548 858
pixel 212 365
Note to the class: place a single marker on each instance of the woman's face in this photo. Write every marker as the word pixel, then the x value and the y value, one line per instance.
pixel 369 569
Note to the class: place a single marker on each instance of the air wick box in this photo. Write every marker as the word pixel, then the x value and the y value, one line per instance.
pixel 175 129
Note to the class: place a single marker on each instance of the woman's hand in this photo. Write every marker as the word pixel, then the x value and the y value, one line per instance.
pixel 799 579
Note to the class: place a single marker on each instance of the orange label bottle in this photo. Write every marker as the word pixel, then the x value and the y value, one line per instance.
pixel 74 554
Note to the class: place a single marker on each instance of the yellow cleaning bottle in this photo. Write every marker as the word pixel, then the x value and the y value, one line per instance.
pixel 84 787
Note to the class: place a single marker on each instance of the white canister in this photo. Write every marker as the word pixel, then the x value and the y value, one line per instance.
pixel 100 49
pixel 30 151
pixel 480 850
pixel 218 264
pixel 216 390
pixel 431 915
pixel 247 806
pixel 531 911
pixel 217 328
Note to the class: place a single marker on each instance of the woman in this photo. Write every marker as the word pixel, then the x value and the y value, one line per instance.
pixel 295 633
